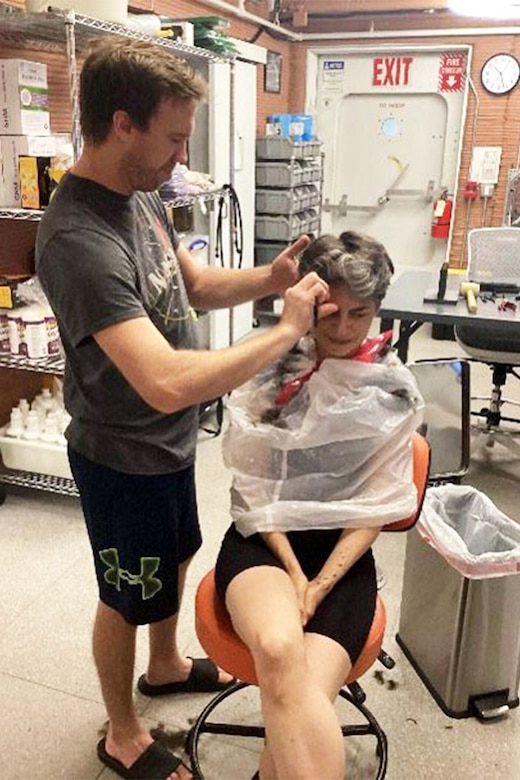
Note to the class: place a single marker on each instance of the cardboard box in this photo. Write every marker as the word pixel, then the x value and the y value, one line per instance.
pixel 34 186
pixel 12 147
pixel 23 98
pixel 183 31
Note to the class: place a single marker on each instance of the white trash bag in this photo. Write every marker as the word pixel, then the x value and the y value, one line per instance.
pixel 464 526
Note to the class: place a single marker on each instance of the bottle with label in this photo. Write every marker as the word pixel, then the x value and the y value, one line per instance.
pixel 35 332
pixel 5 349
pixel 54 346
pixel 14 322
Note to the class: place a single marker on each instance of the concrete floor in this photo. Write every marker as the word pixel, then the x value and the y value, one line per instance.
pixel 52 709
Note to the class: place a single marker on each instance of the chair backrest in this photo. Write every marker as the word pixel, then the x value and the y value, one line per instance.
pixel 421 469
pixel 494 255
pixel 494 263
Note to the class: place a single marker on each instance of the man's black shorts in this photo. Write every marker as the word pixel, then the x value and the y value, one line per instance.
pixel 141 527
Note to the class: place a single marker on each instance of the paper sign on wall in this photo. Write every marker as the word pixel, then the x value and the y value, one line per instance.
pixel 333 72
pixel 485 164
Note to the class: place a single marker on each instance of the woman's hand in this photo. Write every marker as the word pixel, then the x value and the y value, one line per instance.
pixel 314 595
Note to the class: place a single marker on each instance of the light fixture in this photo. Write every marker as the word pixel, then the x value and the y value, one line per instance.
pixel 484 9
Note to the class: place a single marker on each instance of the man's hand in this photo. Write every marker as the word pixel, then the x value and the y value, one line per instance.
pixel 284 268
pixel 301 300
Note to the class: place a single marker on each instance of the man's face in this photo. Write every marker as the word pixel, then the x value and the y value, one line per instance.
pixel 152 154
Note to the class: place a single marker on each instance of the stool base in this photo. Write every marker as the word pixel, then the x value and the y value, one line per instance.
pixel 353 694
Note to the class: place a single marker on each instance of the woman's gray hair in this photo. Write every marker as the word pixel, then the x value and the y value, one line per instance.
pixel 353 260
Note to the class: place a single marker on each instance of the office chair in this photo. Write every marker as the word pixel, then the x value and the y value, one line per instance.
pixel 494 263
pixel 221 643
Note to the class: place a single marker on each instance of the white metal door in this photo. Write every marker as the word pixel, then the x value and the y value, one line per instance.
pixel 390 123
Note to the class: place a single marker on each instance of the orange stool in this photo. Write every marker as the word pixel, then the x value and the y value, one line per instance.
pixel 219 640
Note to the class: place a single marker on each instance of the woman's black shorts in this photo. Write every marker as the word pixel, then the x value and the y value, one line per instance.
pixel 345 614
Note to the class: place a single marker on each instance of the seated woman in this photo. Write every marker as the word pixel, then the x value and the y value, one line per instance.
pixel 320 451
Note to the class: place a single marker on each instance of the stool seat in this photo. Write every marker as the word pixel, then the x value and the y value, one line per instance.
pixel 219 640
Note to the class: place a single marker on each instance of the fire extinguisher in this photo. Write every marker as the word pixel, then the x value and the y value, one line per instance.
pixel 442 211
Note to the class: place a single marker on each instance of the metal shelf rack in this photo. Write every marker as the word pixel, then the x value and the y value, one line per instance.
pixel 34 215
pixel 70 33
pixel 49 365
pixel 48 30
pixel 61 485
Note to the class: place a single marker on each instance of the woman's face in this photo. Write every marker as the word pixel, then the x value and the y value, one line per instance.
pixel 340 335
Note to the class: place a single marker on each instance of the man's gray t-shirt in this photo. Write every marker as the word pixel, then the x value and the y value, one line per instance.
pixel 103 258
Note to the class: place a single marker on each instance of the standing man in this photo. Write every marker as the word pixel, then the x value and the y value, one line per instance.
pixel 125 292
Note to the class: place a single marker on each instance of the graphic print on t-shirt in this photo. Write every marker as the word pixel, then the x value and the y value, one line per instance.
pixel 166 289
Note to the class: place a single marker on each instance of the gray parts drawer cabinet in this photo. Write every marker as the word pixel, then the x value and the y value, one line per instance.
pixel 289 176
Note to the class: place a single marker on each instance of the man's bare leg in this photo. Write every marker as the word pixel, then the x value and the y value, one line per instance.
pixel 114 653
pixel 166 664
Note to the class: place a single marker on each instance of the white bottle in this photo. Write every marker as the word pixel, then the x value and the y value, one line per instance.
pixel 14 326
pixel 50 432
pixel 15 428
pixel 32 429
pixel 23 406
pixel 53 335
pixel 39 410
pixel 45 400
pixel 5 348
pixel 35 332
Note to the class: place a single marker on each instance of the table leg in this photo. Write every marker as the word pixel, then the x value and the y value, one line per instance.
pixel 386 324
pixel 406 329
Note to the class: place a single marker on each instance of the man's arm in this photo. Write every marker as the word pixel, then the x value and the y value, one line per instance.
pixel 211 287
pixel 169 379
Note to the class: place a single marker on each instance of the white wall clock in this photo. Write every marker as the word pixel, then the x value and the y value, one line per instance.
pixel 500 74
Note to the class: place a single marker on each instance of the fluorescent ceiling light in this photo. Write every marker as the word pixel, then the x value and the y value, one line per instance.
pixel 486 9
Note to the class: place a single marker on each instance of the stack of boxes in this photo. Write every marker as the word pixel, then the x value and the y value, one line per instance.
pixel 31 159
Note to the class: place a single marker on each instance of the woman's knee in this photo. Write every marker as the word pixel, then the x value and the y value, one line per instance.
pixel 279 652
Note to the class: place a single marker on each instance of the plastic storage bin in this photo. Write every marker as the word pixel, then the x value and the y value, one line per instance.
pixel 281 228
pixel 461 634
pixel 266 252
pixel 279 174
pixel 287 201
pixel 34 456
pixel 274 147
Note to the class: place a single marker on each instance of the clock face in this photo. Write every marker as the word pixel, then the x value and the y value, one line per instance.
pixel 500 74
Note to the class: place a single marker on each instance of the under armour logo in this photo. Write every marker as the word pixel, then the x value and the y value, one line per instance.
pixel 114 574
